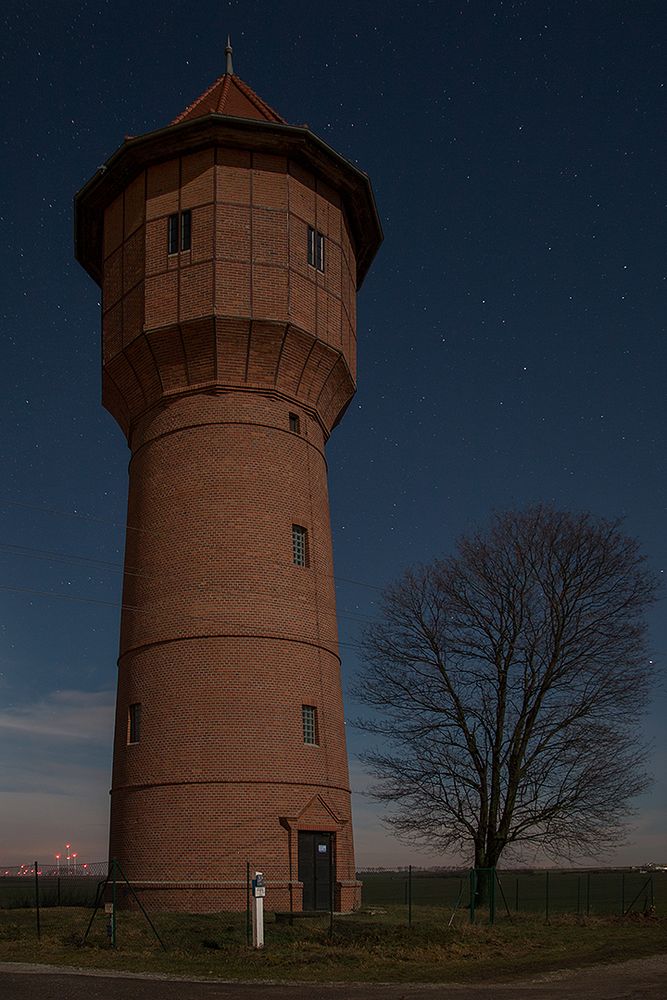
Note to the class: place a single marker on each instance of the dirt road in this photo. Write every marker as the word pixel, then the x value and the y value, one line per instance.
pixel 641 979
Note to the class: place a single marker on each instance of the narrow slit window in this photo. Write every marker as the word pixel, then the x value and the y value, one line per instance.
pixel 134 723
pixel 311 246
pixel 294 423
pixel 179 231
pixel 299 538
pixel 172 233
pixel 186 230
pixel 309 716
pixel 315 248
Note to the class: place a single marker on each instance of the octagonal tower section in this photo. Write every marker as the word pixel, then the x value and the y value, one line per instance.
pixel 229 247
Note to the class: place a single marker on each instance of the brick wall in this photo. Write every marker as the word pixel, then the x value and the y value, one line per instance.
pixel 248 262
pixel 223 639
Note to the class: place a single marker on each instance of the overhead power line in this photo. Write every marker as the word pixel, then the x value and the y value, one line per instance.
pixel 66 597
pixel 349 616
pixel 122 607
pixel 129 527
pixel 68 560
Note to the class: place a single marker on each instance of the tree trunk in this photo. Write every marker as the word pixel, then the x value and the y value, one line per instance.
pixel 485 869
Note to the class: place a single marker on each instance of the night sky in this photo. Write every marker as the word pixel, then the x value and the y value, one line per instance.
pixel 511 331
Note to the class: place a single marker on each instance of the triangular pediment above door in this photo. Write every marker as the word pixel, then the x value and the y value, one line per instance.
pixel 317 814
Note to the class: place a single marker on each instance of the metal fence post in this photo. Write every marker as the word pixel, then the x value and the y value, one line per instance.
pixel 502 893
pixel 409 895
pixel 578 894
pixel 473 893
pixel 622 893
pixel 39 931
pixel 546 896
pixel 516 895
pixel 492 896
pixel 113 902
pixel 588 893
pixel 248 929
pixel 331 889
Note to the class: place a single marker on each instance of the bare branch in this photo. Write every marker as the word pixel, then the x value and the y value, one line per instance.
pixel 507 681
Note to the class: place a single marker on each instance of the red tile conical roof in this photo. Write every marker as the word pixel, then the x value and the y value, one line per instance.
pixel 229 95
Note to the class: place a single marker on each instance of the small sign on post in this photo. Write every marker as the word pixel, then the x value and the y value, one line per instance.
pixel 258 894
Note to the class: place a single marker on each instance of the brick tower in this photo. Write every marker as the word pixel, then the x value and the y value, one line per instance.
pixel 229 246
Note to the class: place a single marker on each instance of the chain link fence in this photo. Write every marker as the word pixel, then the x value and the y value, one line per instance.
pixel 551 893
pixel 408 894
pixel 74 884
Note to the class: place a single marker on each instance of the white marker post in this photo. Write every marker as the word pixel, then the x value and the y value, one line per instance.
pixel 258 894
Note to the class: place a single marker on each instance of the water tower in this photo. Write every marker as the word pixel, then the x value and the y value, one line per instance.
pixel 229 247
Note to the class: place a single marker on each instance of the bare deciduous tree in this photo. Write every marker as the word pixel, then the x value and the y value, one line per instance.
pixel 508 683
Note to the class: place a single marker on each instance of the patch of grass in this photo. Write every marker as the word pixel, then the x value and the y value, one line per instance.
pixel 372 946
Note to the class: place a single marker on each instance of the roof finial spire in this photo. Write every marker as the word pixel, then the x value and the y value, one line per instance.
pixel 229 68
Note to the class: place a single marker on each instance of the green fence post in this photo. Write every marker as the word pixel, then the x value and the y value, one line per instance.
pixel 331 890
pixel 248 929
pixel 409 895
pixel 588 893
pixel 39 930
pixel 578 894
pixel 546 897
pixel 622 893
pixel 492 897
pixel 113 903
pixel 502 893
pixel 516 895
pixel 473 893
pixel 642 891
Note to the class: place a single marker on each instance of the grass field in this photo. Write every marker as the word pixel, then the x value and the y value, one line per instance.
pixel 19 892
pixel 365 946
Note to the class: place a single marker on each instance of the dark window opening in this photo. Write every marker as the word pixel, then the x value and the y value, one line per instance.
pixel 315 248
pixel 134 723
pixel 179 231
pixel 294 423
pixel 186 229
pixel 173 233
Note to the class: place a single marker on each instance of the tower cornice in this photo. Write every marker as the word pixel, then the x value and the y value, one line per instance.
pixel 294 141
pixel 283 361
